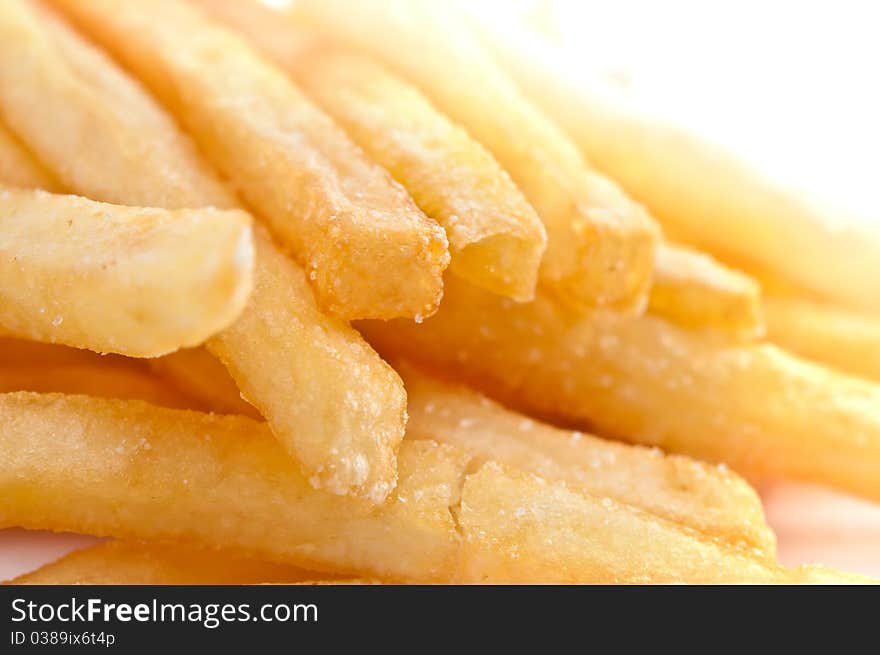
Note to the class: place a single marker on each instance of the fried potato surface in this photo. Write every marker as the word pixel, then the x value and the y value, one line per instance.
pixel 519 528
pixel 135 563
pixel 695 291
pixel 55 88
pixel 705 498
pixel 129 179
pixel 137 472
pixel 334 404
pixel 19 168
pixel 135 281
pixel 369 251
pixel 495 238
pixel 101 379
pixel 198 374
pixel 600 244
pixel 839 337
pixel 755 407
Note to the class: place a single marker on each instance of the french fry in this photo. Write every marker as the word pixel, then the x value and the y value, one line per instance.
pixel 362 413
pixel 495 238
pixel 702 192
pixel 54 89
pixel 23 352
pixel 705 498
pixel 758 409
pixel 370 252
pixel 841 338
pixel 154 474
pixel 19 168
pixel 173 476
pixel 102 379
pixel 329 398
pixel 694 291
pixel 518 528
pixel 134 563
pixel 135 281
pixel 198 374
pixel 600 244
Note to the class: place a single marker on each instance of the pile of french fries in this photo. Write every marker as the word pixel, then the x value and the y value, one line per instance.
pixel 343 292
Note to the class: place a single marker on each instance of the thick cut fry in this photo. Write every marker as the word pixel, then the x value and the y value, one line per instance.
pixel 196 185
pixel 102 379
pixel 333 403
pixel 164 475
pixel 754 407
pixel 154 474
pixel 198 374
pixel 697 189
pixel 700 496
pixel 55 87
pixel 495 238
pixel 140 282
pixel 600 244
pixel 134 563
pixel 695 291
pixel 518 528
pixel 841 338
pixel 369 250
pixel 19 168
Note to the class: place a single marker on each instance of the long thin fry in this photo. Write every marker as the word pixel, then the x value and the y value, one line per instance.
pixel 166 475
pixel 600 244
pixel 19 168
pixel 102 379
pixel 495 238
pixel 154 474
pixel 134 563
pixel 844 339
pixel 703 497
pixel 755 407
pixel 517 528
pixel 198 374
pixel 695 291
pixel 703 193
pixel 55 87
pixel 140 282
pixel 329 398
pixel 369 250
pixel 274 356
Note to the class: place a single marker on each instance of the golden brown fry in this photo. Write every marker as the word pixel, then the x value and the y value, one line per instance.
pixel 695 291
pixel 164 475
pixel 841 338
pixel 600 244
pixel 329 398
pixel 22 352
pixel 55 87
pixel 172 155
pixel 134 563
pixel 104 379
pixel 495 238
pixel 697 189
pixel 198 374
pixel 755 407
pixel 148 473
pixel 140 282
pixel 18 167
pixel 369 250
pixel 518 528
pixel 700 496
